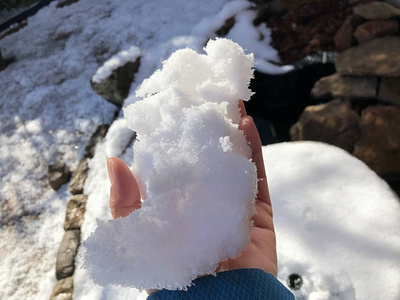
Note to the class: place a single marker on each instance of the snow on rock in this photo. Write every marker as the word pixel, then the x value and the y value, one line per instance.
pixel 194 169
pixel 118 60
pixel 337 223
pixel 113 79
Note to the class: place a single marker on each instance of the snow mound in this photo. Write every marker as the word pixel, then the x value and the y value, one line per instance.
pixel 337 223
pixel 194 169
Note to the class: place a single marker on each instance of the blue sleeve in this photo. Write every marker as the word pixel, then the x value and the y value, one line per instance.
pixel 237 284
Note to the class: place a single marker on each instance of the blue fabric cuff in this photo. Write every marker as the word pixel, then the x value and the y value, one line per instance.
pixel 237 284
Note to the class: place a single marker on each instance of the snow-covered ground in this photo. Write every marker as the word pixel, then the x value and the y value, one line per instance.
pixel 48 112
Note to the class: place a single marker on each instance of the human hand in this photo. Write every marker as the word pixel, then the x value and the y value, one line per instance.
pixel 260 253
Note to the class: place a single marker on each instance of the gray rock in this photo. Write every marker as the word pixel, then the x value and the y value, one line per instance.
pixel 333 123
pixel 389 90
pixel 65 264
pixel 337 86
pixel 373 29
pixel 97 136
pixel 376 10
pixel 78 181
pixel 379 145
pixel 76 207
pixel 380 57
pixel 116 87
pixel 63 289
pixel 58 174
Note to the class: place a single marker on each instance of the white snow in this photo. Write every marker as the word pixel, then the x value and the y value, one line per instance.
pixel 49 111
pixel 337 223
pixel 253 39
pixel 193 167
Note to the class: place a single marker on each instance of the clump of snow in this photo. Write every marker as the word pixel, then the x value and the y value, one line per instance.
pixel 118 60
pixel 49 111
pixel 194 169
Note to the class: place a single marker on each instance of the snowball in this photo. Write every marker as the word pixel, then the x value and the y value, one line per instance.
pixel 115 62
pixel 194 169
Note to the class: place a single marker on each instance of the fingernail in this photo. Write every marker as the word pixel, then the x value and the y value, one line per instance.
pixel 110 169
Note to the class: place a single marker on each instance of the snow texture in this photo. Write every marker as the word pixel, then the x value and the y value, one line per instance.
pixel 118 60
pixel 194 169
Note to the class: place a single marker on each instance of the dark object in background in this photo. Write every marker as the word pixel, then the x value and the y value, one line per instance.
pixel 280 99
pixel 25 15
pixel 295 281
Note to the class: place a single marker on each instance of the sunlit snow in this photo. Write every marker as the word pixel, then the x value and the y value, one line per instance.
pixel 337 223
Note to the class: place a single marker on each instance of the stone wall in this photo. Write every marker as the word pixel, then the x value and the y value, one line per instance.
pixel 362 114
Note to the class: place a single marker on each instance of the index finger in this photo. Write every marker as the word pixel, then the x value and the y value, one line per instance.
pixel 249 129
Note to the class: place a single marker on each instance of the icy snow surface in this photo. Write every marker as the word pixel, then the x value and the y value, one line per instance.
pixel 193 167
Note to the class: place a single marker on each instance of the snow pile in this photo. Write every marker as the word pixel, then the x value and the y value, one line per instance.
pixel 194 169
pixel 118 60
pixel 337 223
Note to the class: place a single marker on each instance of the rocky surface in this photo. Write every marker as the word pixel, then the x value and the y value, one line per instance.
pixel 375 28
pixel 58 174
pixel 337 85
pixel 65 264
pixel 368 72
pixel 78 181
pixel 74 216
pixel 97 136
pixel 376 10
pixel 116 87
pixel 379 57
pixel 334 123
pixel 379 144
pixel 63 289
pixel 306 27
pixel 76 207
pixel 389 90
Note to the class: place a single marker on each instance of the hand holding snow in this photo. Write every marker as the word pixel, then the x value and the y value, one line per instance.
pixel 193 167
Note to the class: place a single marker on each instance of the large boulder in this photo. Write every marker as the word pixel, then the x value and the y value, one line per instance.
pixel 379 144
pixel 380 57
pixel 333 123
pixel 337 86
